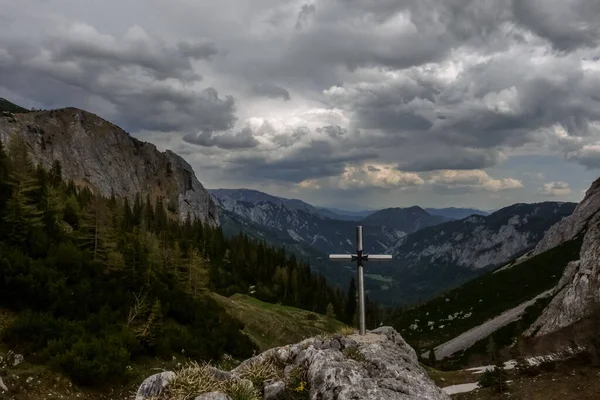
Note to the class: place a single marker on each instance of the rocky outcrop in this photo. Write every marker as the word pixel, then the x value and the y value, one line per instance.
pixel 579 287
pixel 95 153
pixel 154 385
pixel 571 226
pixel 377 366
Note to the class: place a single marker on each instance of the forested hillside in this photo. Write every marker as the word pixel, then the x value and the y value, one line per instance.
pixel 97 283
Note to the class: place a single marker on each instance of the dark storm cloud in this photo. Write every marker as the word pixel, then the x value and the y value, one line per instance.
pixel 421 84
pixel 226 140
pixel 567 24
pixel 317 159
pixel 271 91
pixel 128 76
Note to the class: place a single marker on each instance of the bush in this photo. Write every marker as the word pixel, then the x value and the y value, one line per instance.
pixel 95 361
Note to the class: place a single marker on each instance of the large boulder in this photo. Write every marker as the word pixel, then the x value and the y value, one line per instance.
pixel 377 366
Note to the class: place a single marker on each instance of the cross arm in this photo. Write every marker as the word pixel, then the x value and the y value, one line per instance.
pixel 377 257
pixel 341 257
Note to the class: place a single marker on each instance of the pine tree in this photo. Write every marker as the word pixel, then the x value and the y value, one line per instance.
pixel 95 231
pixel 55 174
pixel 351 302
pixel 22 214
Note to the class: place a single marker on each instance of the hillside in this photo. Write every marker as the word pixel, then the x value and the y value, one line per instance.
pixel 8 107
pixel 96 284
pixel 272 325
pixel 468 306
pixel 408 220
pixel 306 226
pixel 441 257
pixel 95 153
pixel 455 212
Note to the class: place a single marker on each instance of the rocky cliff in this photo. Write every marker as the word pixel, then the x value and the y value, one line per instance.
pixel 580 285
pixel 100 155
pixel 377 366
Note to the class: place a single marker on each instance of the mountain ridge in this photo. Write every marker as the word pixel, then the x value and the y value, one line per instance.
pixel 96 153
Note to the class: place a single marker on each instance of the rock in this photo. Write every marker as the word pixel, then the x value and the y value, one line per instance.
pixel 382 366
pixel 104 157
pixel 17 359
pixel 578 287
pixel 274 391
pixel 3 386
pixel 154 385
pixel 390 370
pixel 213 396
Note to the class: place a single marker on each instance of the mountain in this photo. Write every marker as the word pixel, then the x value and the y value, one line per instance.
pixel 95 153
pixel 455 213
pixel 576 296
pixel 6 107
pixel 336 213
pixel 299 221
pixel 254 196
pixel 443 256
pixel 301 224
pixel 409 220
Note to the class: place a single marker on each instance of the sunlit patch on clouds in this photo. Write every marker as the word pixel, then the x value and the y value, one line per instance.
pixel 555 189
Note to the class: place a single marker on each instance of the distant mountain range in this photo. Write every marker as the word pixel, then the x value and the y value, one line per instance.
pixel 433 251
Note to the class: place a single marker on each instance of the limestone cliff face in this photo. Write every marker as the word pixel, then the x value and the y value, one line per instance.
pixel 98 154
pixel 580 284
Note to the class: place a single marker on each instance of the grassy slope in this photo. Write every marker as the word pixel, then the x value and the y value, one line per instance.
pixel 272 325
pixel 485 297
pixel 7 106
pixel 566 381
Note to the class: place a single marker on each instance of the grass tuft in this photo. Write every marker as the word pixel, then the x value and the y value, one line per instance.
pixel 346 330
pixel 258 372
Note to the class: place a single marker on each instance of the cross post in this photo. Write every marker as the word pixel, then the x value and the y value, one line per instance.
pixel 359 257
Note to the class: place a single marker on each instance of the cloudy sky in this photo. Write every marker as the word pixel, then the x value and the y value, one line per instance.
pixel 348 103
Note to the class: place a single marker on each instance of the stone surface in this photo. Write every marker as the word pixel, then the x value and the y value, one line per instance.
pixel 274 391
pixel 154 385
pixel 100 155
pixel 380 366
pixel 579 286
pixel 213 396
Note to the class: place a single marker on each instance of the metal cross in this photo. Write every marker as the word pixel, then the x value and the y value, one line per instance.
pixel 359 257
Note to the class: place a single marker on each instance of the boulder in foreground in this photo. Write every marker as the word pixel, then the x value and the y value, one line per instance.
pixel 377 366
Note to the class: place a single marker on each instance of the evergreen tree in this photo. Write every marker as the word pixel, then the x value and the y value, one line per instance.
pixel 22 214
pixel 351 303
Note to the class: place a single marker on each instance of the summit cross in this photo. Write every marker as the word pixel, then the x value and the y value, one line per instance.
pixel 359 257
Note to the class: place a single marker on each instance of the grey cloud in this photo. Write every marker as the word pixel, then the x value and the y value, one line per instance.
pixel 334 131
pixel 317 159
pixel 567 24
pixel 134 50
pixel 226 140
pixel 198 50
pixel 291 138
pixel 85 70
pixel 305 12
pixel 270 90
